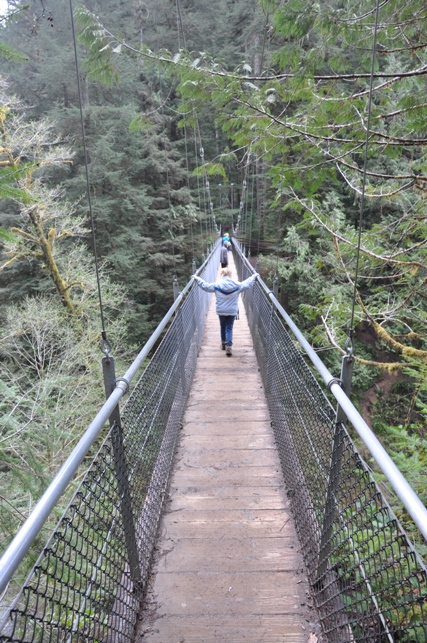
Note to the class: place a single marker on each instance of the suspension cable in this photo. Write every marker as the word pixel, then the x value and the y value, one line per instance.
pixel 365 161
pixel 279 227
pixel 242 201
pixel 205 183
pixel 260 206
pixel 252 202
pixel 188 186
pixel 179 24
pixel 168 188
pixel 196 155
pixel 105 346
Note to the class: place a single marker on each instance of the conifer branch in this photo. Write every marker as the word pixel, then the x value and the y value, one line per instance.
pixel 369 253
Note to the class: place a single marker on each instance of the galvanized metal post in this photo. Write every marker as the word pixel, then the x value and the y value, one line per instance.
pixel 269 359
pixel 193 267
pixel 346 378
pixel 335 470
pixel 120 466
pixel 180 333
pixel 109 373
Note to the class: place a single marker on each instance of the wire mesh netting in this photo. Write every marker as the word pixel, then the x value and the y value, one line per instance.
pixel 368 581
pixel 88 582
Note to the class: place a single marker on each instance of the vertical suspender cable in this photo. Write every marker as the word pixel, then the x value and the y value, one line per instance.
pixel 179 25
pixel 362 199
pixel 254 164
pixel 198 184
pixel 104 336
pixel 188 186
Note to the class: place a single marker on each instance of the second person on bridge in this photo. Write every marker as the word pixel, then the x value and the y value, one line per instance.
pixel 227 302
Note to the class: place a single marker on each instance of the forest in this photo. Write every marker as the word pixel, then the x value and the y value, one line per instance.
pixel 302 126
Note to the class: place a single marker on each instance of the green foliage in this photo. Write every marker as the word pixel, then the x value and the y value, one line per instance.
pixel 101 46
pixel 6 235
pixel 9 53
pixel 49 343
pixel 211 169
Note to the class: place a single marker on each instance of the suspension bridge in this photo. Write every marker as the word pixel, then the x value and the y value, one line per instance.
pixel 226 501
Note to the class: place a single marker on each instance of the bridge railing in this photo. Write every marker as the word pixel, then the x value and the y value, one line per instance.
pixel 368 581
pixel 87 583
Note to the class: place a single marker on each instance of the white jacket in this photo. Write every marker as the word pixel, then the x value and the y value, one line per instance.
pixel 226 292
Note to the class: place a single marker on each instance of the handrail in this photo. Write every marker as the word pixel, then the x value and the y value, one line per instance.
pixel 19 546
pixel 403 489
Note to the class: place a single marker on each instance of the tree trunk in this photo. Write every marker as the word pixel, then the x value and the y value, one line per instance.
pixel 50 263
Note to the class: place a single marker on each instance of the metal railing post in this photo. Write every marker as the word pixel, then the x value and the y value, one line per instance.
pixel 347 364
pixel 269 353
pixel 126 506
pixel 109 373
pixel 181 349
pixel 120 467
pixel 335 470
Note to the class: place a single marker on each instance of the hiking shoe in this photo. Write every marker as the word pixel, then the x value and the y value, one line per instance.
pixel 228 351
pixel 223 346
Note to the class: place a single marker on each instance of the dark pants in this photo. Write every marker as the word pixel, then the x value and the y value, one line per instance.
pixel 226 323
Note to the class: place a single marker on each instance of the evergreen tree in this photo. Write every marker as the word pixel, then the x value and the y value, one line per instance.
pixel 49 343
pixel 147 226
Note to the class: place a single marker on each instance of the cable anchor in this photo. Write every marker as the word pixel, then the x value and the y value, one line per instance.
pixel 348 346
pixel 105 345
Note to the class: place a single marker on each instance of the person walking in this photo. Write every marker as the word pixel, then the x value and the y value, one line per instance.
pixel 223 257
pixel 227 302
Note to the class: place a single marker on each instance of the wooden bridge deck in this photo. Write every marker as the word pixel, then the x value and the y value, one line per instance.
pixel 227 565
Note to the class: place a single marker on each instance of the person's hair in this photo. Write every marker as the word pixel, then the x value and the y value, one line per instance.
pixel 226 272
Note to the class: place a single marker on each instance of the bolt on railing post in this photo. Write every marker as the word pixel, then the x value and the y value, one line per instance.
pixel 335 470
pixel 120 466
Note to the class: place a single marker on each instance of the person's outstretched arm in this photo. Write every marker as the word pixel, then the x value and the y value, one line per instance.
pixel 204 285
pixel 247 283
